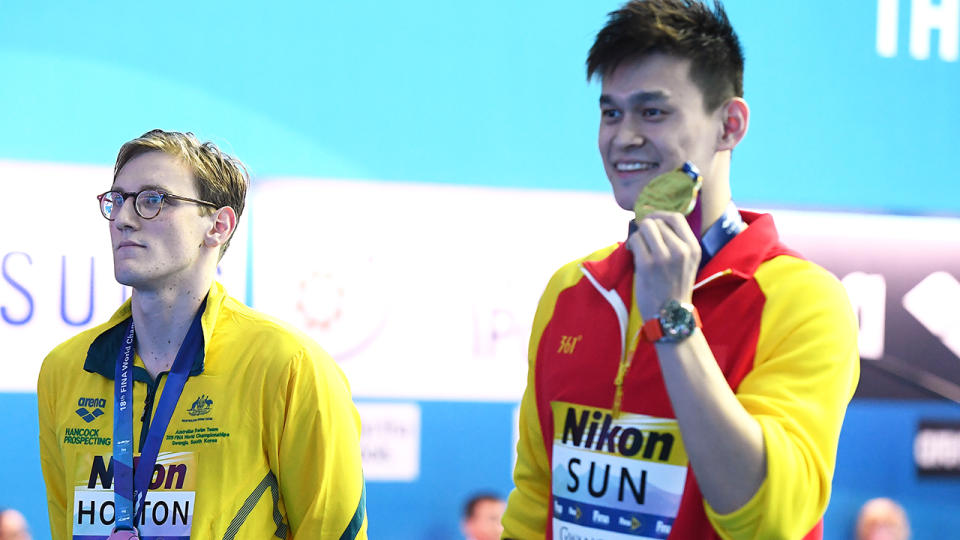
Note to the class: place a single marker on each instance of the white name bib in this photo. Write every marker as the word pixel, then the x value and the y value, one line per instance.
pixel 615 478
pixel 168 510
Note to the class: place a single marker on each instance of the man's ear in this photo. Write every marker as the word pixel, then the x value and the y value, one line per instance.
pixel 734 118
pixel 224 223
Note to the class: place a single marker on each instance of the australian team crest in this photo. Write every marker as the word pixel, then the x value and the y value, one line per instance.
pixel 201 406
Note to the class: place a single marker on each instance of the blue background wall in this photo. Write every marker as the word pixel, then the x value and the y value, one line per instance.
pixel 488 93
pixel 492 94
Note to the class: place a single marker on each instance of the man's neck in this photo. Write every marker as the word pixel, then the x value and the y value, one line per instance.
pixel 715 194
pixel 162 318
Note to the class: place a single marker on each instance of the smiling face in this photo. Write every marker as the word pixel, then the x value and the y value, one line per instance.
pixel 168 250
pixel 652 121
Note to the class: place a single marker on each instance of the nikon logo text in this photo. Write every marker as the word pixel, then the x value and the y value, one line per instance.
pixel 597 431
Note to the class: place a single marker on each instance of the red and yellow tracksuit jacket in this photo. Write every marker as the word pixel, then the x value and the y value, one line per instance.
pixel 782 331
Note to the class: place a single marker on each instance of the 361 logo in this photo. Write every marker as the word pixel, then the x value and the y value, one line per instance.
pixel 568 344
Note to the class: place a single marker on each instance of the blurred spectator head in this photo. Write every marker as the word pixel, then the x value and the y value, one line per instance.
pixel 13 526
pixel 882 519
pixel 481 517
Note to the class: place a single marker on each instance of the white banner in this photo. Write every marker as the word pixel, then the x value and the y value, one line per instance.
pixel 420 291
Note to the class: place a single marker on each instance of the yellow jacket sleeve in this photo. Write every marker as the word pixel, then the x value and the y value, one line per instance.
pixel 318 456
pixel 51 458
pixel 528 504
pixel 527 507
pixel 805 372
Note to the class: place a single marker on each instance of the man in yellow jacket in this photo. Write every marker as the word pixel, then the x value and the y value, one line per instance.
pixel 188 414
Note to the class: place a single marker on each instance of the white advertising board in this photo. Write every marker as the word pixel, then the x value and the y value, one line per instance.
pixel 419 291
pixel 390 441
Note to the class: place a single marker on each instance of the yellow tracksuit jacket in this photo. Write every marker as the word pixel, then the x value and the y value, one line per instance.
pixel 264 440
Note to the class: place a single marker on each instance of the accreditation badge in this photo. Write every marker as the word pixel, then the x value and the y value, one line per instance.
pixel 615 478
pixel 169 505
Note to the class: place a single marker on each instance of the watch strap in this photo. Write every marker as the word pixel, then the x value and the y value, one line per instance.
pixel 652 330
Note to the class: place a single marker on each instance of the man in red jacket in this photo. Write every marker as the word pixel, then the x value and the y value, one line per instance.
pixel 690 382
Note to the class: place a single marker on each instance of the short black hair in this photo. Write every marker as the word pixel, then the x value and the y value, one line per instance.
pixel 471 506
pixel 684 28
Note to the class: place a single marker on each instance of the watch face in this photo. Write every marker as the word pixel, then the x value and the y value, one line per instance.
pixel 677 321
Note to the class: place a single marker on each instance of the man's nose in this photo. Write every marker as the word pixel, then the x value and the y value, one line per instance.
pixel 629 134
pixel 126 215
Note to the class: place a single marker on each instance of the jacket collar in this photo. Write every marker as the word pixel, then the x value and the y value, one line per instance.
pixel 105 349
pixel 740 256
pixel 743 254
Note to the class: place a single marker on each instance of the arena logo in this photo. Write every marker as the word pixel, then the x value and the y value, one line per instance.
pixel 925 17
pixel 88 415
pixel 90 408
pixel 92 402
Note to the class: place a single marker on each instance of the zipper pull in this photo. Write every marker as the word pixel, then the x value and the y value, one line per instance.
pixel 147 406
pixel 622 374
pixel 617 399
pixel 618 383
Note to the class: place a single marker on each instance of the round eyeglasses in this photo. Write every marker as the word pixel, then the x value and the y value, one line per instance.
pixel 146 202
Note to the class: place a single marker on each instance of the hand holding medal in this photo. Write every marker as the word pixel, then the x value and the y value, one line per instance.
pixel 664 238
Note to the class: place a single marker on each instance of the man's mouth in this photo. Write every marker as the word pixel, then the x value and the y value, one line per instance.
pixel 635 166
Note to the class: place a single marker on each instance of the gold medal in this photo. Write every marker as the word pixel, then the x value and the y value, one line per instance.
pixel 674 191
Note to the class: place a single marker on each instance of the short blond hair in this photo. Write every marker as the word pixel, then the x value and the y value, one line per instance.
pixel 220 178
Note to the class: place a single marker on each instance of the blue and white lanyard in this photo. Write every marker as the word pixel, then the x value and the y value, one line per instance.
pixel 722 231
pixel 129 486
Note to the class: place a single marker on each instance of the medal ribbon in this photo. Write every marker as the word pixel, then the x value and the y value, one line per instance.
pixel 722 231
pixel 130 486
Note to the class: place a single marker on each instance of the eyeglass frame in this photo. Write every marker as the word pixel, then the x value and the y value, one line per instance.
pixel 136 195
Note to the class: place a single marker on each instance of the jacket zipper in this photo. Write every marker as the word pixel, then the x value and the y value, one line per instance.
pixel 148 409
pixel 623 317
